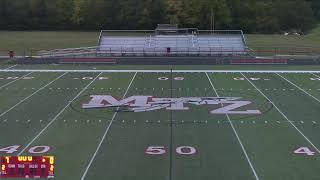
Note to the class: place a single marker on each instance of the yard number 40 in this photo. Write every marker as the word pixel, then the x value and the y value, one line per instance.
pixel 304 151
pixel 32 150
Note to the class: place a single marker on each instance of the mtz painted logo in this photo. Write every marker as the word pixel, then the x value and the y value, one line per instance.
pixel 228 105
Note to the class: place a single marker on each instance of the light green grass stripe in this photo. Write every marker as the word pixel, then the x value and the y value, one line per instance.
pixel 299 87
pixel 106 131
pixel 295 127
pixel 23 100
pixel 56 117
pixel 236 134
pixel 5 85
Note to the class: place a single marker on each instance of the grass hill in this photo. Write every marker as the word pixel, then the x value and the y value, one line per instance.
pixel 25 41
pixel 312 39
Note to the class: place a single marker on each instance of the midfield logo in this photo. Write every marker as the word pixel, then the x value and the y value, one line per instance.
pixel 224 105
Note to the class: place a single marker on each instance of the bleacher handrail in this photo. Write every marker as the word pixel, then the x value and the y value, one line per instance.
pixel 67 51
pixel 244 38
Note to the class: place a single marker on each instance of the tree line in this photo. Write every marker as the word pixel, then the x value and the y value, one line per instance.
pixel 261 16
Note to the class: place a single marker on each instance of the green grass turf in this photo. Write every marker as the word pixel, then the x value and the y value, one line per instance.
pixel 265 41
pixel 177 67
pixel 269 139
pixel 24 41
pixel 274 140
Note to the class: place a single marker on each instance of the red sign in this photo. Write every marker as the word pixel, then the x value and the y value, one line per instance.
pixel 27 167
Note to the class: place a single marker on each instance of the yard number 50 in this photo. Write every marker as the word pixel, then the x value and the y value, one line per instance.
pixel 160 150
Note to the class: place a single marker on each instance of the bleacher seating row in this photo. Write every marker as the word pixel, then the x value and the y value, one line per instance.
pixel 178 44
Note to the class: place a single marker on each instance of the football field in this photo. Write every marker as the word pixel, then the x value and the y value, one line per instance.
pixel 164 124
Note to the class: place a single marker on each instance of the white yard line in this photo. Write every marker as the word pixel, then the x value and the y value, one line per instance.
pixel 315 75
pixel 299 88
pixel 236 134
pixel 56 117
pixel 15 80
pixel 106 132
pixel 306 138
pixel 11 67
pixel 158 71
pixel 23 100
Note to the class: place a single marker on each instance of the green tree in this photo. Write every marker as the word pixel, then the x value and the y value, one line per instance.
pixel 17 15
pixel 199 12
pixel 60 14
pixel 315 5
pixel 294 14
pixel 3 14
pixel 267 16
pixel 78 12
pixel 220 11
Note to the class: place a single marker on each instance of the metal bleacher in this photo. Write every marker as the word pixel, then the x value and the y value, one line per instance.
pixel 167 42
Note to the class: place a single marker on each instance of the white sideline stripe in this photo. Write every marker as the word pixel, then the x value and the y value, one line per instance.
pixel 299 88
pixel 158 71
pixel 106 132
pixel 56 117
pixel 282 113
pixel 235 132
pixel 15 80
pixel 23 100
pixel 11 67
